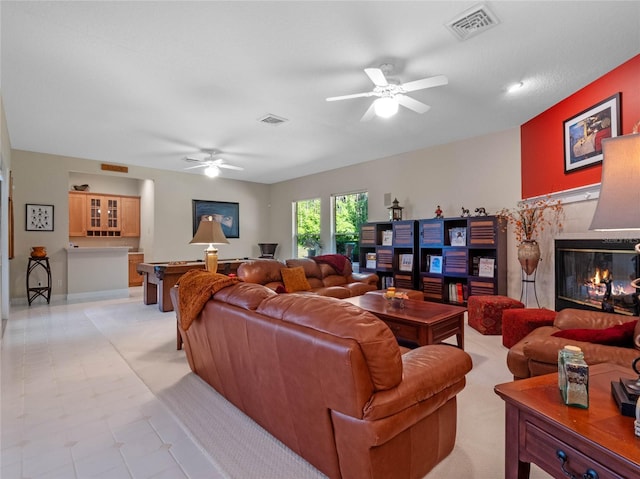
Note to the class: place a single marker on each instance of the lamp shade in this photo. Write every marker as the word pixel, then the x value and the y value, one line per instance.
pixel 619 202
pixel 209 232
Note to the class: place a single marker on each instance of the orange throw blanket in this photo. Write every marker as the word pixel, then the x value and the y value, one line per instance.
pixel 196 288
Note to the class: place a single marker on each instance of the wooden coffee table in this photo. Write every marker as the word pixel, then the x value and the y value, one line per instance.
pixel 541 429
pixel 421 322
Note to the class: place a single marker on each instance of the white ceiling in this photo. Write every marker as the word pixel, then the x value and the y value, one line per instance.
pixel 147 83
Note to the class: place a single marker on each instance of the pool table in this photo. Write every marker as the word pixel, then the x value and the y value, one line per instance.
pixel 159 278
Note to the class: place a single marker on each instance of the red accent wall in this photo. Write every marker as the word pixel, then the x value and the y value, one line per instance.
pixel 542 154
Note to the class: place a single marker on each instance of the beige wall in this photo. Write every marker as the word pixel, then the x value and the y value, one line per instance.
pixel 166 212
pixel 478 172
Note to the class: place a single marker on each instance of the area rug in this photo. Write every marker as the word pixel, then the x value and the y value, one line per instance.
pixel 240 449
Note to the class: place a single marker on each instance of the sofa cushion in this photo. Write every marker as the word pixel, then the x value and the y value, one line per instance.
pixel 570 318
pixel 618 335
pixel 344 320
pixel 294 279
pixel 244 295
pixel 261 271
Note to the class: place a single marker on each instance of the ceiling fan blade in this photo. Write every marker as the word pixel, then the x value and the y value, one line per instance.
pixel 412 104
pixel 347 97
pixel 229 167
pixel 425 83
pixel 377 76
pixel 197 166
pixel 370 113
pixel 194 159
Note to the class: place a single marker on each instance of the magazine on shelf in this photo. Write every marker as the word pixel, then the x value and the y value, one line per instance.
pixel 387 238
pixel 371 261
pixel 406 262
pixel 435 265
pixel 458 236
pixel 485 267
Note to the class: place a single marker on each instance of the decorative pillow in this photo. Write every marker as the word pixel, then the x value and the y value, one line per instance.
pixel 294 279
pixel 618 335
pixel 280 289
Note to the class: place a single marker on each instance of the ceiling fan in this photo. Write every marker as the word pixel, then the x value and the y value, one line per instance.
pixel 212 166
pixel 391 94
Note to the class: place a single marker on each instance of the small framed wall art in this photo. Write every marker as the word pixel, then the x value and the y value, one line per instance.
pixel 583 133
pixel 39 217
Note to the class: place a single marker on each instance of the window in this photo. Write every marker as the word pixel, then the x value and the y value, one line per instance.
pixel 350 211
pixel 307 227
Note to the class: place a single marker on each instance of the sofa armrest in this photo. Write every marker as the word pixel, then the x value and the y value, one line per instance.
pixel 367 278
pixel 435 372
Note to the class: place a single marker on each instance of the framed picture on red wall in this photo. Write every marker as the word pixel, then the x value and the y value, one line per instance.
pixel 584 132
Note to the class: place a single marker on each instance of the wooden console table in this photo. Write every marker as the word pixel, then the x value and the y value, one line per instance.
pixel 565 441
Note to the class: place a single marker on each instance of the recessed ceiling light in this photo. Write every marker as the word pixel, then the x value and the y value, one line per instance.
pixel 515 87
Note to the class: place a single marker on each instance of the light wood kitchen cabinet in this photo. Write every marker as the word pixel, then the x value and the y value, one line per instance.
pixel 135 278
pixel 103 215
pixel 77 214
pixel 95 215
pixel 130 216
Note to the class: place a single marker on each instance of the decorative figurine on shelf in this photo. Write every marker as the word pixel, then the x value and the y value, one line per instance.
pixel 395 211
pixel 481 211
pixel 438 212
pixel 465 213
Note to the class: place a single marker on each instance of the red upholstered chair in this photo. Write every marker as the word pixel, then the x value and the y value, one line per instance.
pixel 517 323
pixel 485 312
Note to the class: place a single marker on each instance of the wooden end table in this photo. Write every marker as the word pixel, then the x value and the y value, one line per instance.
pixel 596 443
pixel 421 322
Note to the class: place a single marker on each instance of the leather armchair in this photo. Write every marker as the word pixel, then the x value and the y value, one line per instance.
pixel 537 353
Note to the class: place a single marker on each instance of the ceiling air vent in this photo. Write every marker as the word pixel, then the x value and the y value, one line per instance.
pixel 272 119
pixel 472 22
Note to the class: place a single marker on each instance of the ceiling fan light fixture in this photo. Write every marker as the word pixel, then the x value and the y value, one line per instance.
pixel 212 171
pixel 386 107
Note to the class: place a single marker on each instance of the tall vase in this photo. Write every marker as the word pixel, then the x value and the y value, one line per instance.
pixel 529 255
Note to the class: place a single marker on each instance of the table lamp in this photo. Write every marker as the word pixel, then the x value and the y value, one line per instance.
pixel 618 209
pixel 210 232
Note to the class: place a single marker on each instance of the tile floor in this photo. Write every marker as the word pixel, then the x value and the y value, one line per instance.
pixel 73 408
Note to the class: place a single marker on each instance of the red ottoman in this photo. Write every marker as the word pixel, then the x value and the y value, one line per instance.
pixel 485 312
pixel 517 323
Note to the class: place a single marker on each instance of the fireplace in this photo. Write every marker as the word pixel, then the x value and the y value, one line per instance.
pixel 595 274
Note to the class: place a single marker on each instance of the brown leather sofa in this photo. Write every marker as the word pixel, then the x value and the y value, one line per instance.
pixel 537 353
pixel 329 380
pixel 323 278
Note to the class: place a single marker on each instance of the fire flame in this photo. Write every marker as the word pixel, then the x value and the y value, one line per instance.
pixel 601 276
